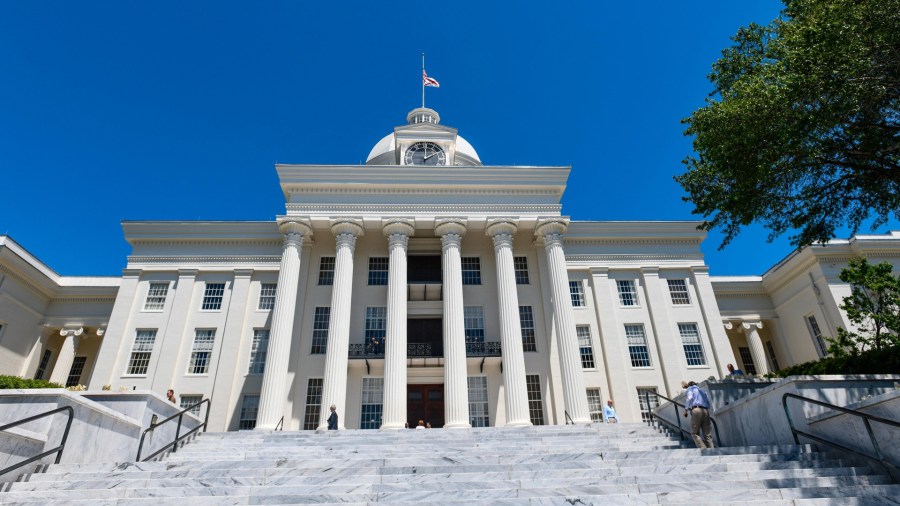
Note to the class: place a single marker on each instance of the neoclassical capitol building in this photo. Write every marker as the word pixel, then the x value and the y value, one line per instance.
pixel 422 285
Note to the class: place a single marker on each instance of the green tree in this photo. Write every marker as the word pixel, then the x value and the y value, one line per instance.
pixel 802 128
pixel 873 308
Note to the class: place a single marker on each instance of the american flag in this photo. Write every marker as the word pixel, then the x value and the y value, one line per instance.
pixel 429 81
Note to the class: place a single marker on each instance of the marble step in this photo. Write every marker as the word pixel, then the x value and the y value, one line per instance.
pixel 599 494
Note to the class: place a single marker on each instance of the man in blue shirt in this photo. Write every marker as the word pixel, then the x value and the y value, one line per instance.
pixel 697 404
pixel 734 372
pixel 609 413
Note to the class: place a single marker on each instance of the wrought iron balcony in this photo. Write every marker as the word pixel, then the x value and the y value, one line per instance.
pixel 424 350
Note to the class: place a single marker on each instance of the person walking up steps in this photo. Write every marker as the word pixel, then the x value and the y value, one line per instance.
pixel 697 404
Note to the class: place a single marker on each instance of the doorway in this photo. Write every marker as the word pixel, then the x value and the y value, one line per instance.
pixel 425 402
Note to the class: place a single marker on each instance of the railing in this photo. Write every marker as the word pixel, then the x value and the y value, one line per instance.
pixel 58 450
pixel 569 420
pixel 677 424
pixel 178 436
pixel 279 425
pixel 424 350
pixel 879 457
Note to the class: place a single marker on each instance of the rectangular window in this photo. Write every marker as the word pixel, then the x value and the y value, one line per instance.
pixel 75 372
pixel 637 345
pixel 190 400
pixel 376 327
pixel 372 403
pixel 474 323
pixel 770 348
pixel 378 271
pixel 816 334
pixel 576 290
pixel 267 296
pixel 648 401
pixel 595 404
pixel 156 297
pixel 627 292
pixel 326 271
pixel 212 297
pixel 678 291
pixel 140 351
pixel 42 366
pixel 249 409
pixel 693 348
pixel 471 270
pixel 521 266
pixel 747 360
pixel 313 404
pixel 587 348
pixel 202 351
pixel 526 320
pixel 320 330
pixel 535 404
pixel 258 351
pixel 478 402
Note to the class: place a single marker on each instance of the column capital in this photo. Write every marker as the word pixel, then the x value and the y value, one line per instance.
pixel 727 324
pixel 552 226
pixel 71 331
pixel 501 226
pixel 450 226
pixel 751 324
pixel 395 226
pixel 289 225
pixel 351 226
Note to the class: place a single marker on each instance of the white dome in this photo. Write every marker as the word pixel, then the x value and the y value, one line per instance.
pixel 388 144
pixel 464 148
pixel 385 145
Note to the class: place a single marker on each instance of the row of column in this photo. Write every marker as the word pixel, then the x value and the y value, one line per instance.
pixel 398 231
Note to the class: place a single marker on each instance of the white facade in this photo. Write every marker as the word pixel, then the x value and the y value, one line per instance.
pixel 422 285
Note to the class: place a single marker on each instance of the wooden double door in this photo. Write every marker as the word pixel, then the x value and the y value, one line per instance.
pixel 425 402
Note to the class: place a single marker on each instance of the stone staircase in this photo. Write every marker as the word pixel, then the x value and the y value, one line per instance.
pixel 600 464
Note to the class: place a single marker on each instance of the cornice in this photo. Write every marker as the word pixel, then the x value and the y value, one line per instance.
pixel 338 190
pixel 204 242
pixel 205 260
pixel 76 300
pixel 625 241
pixel 459 209
pixel 633 257
pixel 39 290
pixel 741 294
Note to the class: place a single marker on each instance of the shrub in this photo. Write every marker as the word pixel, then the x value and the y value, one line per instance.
pixel 15 382
pixel 873 361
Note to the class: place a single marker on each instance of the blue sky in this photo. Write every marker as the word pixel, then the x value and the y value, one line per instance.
pixel 178 110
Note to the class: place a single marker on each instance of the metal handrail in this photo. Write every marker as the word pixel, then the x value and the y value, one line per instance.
pixel 58 450
pixel 178 436
pixel 879 456
pixel 676 405
pixel 279 425
pixel 568 418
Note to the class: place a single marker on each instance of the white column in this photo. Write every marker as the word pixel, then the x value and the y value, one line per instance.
pixel 574 393
pixel 751 330
pixel 397 232
pixel 272 394
pixel 334 389
pixel 66 355
pixel 456 386
pixel 513 359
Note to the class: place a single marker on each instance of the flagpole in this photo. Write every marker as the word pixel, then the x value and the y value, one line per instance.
pixel 423 79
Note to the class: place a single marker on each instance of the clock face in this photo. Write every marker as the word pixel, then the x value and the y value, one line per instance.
pixel 425 153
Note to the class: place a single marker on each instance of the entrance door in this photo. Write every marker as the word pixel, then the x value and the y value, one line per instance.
pixel 425 402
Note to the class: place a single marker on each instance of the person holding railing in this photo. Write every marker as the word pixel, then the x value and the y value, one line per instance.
pixel 697 403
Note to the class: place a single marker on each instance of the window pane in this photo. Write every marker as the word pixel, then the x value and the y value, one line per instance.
pixel 372 403
pixel 471 270
pixel 747 360
pixel 42 367
pixel 693 348
pixel 212 297
pixel 140 351
pixel 320 330
pixel 586 347
pixel 772 358
pixel 595 404
pixel 478 401
pixel 576 290
pixel 249 408
pixel 156 297
pixel 326 271
pixel 190 400
pixel 313 404
pixel 526 320
pixel 647 401
pixel 535 404
pixel 258 351
pixel 378 271
pixel 678 291
pixel 267 295
pixel 627 292
pixel 75 372
pixel 474 324
pixel 521 266
pixel 637 345
pixel 202 351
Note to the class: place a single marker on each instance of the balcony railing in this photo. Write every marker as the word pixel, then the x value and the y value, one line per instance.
pixel 424 350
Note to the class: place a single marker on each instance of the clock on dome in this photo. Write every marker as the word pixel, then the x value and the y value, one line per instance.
pixel 425 153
